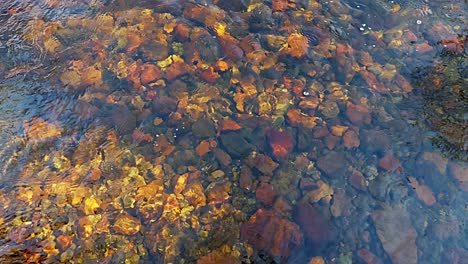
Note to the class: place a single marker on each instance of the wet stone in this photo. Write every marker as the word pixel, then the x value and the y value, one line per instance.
pixel 262 163
pixel 316 230
pixel 374 141
pixel 203 128
pixel 265 193
pixel 397 235
pixel 329 109
pixel 332 163
pixel 235 144
pixel 267 231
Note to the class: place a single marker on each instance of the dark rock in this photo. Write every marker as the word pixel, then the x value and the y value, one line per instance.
pixel 267 231
pixel 164 105
pixel 374 141
pixel 315 227
pixel 332 163
pixel 204 128
pixel 123 119
pixel 236 145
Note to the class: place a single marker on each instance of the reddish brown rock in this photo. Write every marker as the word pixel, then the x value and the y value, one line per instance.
pixel 281 143
pixel 460 173
pixel 262 162
pixel 222 156
pixel 358 114
pixel 424 193
pixel 265 193
pixel 331 141
pixel 341 204
pixel 423 47
pixel 351 139
pixel 397 235
pixel 279 5
pixel 332 163
pixel 314 226
pixel 389 162
pixel 64 241
pixel 177 69
pixel 267 231
pixel 282 207
pixel 149 73
pixel 368 257
pixel 229 125
pixel 203 148
pixel 321 132
pixel 357 180
pixel 245 178
pixel 218 256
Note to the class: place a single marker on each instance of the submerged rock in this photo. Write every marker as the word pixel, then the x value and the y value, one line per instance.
pixel 397 235
pixel 267 231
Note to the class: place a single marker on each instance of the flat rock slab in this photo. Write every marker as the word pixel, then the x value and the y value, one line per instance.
pixel 397 235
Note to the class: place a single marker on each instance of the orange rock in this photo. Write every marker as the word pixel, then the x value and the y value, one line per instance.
pixel 338 130
pixel 230 47
pixel 92 76
pixel 149 73
pixel 219 193
pixel 266 231
pixel 365 59
pixel 351 139
pixel 403 83
pixel 298 45
pixel 95 174
pixel 294 117
pixel 181 32
pixel 181 183
pixel 372 81
pixel 133 41
pixel 127 225
pixel 279 5
pixel 218 256
pixel 195 194
pixel 64 242
pixel 38 129
pixel 221 66
pixel 424 193
pixel 281 142
pixel 177 69
pixel 140 136
pixel 317 260
pixel 209 75
pixel 229 125
pixel 203 148
pixel 423 47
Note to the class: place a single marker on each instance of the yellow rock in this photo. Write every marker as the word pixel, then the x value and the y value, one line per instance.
pixel 127 225
pixel 338 130
pixel 90 206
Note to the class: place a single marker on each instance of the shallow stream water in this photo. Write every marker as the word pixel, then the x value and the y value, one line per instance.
pixel 233 131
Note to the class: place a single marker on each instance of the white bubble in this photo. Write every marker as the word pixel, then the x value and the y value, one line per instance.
pixel 419 22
